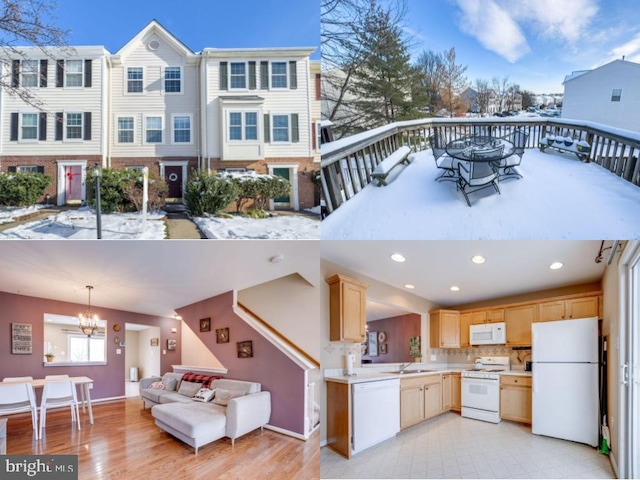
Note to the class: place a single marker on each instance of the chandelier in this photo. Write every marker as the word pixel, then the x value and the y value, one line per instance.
pixel 88 321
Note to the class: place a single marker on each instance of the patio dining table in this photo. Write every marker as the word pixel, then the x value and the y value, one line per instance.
pixel 470 148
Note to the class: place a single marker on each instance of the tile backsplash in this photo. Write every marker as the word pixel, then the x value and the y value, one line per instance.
pixel 468 355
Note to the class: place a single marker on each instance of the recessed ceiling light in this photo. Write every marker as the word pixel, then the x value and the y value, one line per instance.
pixel 478 259
pixel 409 286
pixel 555 265
pixel 454 288
pixel 398 257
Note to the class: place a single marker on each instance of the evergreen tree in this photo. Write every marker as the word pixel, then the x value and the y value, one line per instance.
pixel 383 84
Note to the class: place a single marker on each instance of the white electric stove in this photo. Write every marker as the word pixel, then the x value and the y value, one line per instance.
pixel 481 389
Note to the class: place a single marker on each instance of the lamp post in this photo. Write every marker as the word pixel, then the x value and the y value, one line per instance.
pixel 97 172
pixel 145 196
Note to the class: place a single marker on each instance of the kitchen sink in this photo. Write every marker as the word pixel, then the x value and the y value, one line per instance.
pixel 408 372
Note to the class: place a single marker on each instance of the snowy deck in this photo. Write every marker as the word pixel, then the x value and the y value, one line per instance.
pixel 559 197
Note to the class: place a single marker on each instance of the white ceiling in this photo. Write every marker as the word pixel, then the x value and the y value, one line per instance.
pixel 511 267
pixel 152 277
pixel 378 311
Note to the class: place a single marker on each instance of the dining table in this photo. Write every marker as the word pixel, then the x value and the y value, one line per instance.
pixel 85 384
pixel 478 148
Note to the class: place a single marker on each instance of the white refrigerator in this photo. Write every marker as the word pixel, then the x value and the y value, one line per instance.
pixel 565 380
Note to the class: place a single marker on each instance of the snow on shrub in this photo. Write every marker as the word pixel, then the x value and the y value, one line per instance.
pixel 22 188
pixel 209 193
pixel 258 187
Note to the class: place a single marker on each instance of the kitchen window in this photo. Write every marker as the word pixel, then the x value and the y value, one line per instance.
pixel 74 73
pixel 243 126
pixel 173 80
pixel 279 75
pixel 280 128
pixel 616 94
pixel 29 128
pixel 182 129
pixel 74 126
pixel 86 349
pixel 238 75
pixel 30 73
pixel 125 129
pixel 153 129
pixel 135 77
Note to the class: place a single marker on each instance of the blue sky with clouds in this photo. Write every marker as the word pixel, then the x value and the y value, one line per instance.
pixel 534 42
pixel 197 23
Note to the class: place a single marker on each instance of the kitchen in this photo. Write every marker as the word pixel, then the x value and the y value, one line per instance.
pixel 474 369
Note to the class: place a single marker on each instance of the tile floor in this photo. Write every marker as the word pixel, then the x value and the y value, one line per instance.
pixel 450 446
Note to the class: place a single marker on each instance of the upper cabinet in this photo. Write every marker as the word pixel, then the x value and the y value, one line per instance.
pixel 573 308
pixel 494 315
pixel 465 321
pixel 347 309
pixel 518 321
pixel 444 328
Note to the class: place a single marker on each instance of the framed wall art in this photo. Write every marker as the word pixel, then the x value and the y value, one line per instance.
pixel 383 349
pixel 372 343
pixel 171 344
pixel 245 349
pixel 222 335
pixel 21 339
pixel 155 342
pixel 205 324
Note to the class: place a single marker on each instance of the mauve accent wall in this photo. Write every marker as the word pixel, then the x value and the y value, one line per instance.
pixel 108 379
pixel 269 366
pixel 398 330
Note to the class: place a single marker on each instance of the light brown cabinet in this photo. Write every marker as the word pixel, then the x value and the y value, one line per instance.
pixel 446 392
pixel 515 398
pixel 451 392
pixel 456 392
pixel 568 309
pixel 433 397
pixel 465 321
pixel 444 329
pixel 518 323
pixel 339 418
pixel 421 398
pixel 347 309
pixel 493 315
pixel 411 405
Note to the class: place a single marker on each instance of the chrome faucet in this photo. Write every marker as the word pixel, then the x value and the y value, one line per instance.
pixel 403 367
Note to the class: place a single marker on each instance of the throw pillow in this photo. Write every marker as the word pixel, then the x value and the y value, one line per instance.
pixel 224 396
pixel 189 389
pixel 204 395
pixel 158 385
pixel 169 383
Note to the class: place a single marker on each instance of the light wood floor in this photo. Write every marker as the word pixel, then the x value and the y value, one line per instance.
pixel 125 443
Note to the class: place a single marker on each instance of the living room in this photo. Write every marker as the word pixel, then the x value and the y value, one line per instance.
pixel 232 311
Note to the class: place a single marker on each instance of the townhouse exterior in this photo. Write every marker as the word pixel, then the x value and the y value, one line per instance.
pixel 155 103
pixel 609 94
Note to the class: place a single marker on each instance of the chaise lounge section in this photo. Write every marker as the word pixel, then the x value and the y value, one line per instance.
pixel 237 408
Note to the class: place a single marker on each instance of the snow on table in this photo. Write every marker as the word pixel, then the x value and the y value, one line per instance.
pixel 290 227
pixel 558 197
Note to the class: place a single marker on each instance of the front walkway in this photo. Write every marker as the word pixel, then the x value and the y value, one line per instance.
pixel 558 197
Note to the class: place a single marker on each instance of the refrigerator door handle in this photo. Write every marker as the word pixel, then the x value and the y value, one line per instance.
pixel 625 374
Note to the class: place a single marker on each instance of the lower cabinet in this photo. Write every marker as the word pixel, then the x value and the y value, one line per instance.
pixel 515 398
pixel 411 405
pixel 433 397
pixel 456 392
pixel 428 396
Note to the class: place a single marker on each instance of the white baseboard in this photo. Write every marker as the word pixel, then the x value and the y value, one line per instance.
pixel 286 432
pixel 614 464
pixel 323 443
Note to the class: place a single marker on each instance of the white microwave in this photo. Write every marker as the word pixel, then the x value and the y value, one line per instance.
pixel 488 334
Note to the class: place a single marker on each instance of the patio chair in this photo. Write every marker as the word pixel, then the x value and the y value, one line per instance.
pixel 507 166
pixel 482 131
pixel 443 162
pixel 474 176
pixel 59 393
pixel 18 398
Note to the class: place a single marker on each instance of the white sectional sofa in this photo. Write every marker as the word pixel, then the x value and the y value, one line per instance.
pixel 195 423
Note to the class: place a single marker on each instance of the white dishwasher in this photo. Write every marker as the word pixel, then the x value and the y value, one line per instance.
pixel 376 412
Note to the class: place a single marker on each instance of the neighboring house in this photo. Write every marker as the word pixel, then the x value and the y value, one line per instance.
pixel 156 103
pixel 609 94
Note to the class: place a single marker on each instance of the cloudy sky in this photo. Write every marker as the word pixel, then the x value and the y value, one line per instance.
pixel 535 42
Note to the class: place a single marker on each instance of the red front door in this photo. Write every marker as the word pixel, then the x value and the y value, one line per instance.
pixel 73 184
pixel 173 177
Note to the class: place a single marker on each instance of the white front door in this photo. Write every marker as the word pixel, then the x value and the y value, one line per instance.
pixel 71 188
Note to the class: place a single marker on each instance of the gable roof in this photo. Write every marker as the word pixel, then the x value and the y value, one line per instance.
pixel 580 73
pixel 156 27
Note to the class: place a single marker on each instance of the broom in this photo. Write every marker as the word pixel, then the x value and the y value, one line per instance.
pixel 606 438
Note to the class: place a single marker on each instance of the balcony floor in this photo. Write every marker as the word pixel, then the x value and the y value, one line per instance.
pixel 558 197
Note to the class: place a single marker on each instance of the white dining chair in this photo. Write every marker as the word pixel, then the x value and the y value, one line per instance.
pixel 18 398
pixel 16 379
pixel 56 377
pixel 59 393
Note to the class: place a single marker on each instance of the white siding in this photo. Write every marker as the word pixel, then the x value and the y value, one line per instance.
pixel 290 101
pixel 58 99
pixel 154 101
pixel 588 96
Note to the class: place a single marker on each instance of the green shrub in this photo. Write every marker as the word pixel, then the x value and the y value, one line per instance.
pixel 22 188
pixel 113 183
pixel 157 191
pixel 260 188
pixel 256 213
pixel 209 193
pixel 271 186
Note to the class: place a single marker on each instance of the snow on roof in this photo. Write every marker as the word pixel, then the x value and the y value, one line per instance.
pixel 574 74
pixel 555 187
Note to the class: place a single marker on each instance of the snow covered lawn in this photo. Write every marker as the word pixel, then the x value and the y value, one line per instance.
pixel 558 197
pixel 10 214
pixel 80 224
pixel 281 227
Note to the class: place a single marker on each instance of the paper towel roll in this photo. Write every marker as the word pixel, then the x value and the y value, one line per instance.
pixel 350 359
